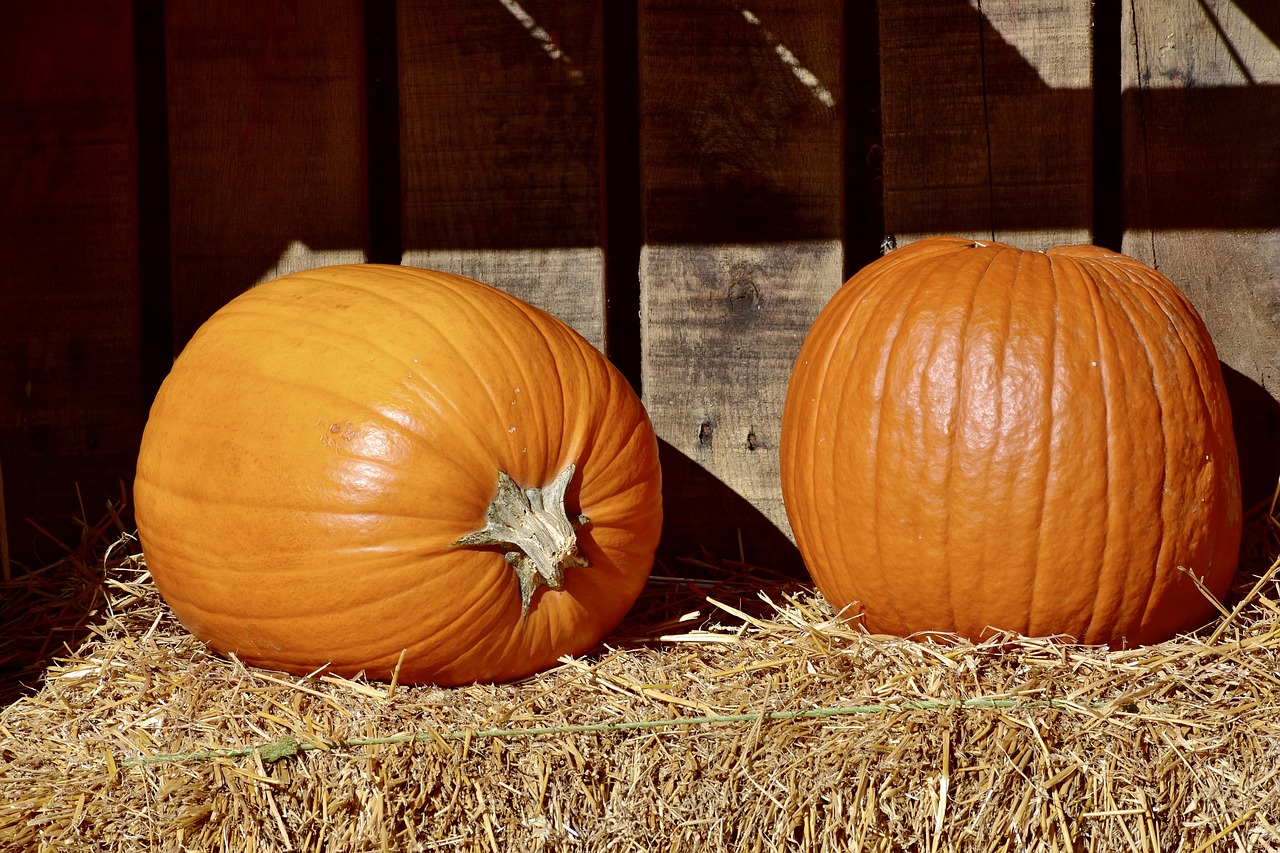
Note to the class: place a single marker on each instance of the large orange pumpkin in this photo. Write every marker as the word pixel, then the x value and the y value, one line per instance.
pixel 356 463
pixel 978 438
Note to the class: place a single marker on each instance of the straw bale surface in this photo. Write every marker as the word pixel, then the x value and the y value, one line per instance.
pixel 732 712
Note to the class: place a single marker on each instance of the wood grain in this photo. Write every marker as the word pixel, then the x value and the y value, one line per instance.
pixel 741 187
pixel 1202 199
pixel 501 139
pixel 266 130
pixel 70 414
pixel 986 120
pixel 722 326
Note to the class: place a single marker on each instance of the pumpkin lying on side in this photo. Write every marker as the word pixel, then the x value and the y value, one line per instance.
pixel 978 439
pixel 353 463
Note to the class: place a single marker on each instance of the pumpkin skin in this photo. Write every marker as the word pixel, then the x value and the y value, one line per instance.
pixel 979 439
pixel 325 439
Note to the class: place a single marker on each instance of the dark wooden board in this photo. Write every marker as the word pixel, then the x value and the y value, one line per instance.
pixel 987 120
pixel 266 142
pixel 501 135
pixel 70 414
pixel 741 185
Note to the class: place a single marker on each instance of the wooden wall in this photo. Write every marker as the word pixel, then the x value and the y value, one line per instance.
pixel 686 183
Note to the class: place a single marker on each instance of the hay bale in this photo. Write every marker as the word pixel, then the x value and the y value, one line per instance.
pixel 732 711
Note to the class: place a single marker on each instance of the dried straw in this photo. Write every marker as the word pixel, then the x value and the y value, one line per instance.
pixel 732 711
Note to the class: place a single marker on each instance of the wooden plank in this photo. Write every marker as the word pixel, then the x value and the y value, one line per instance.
pixel 501 149
pixel 266 145
pixel 1202 199
pixel 741 185
pixel 70 414
pixel 986 111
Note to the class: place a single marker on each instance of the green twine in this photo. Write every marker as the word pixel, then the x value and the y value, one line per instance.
pixel 287 747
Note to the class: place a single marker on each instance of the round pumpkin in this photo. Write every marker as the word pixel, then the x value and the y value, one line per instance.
pixel 368 467
pixel 980 439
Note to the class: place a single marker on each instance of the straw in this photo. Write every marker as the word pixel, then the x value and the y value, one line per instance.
pixel 733 710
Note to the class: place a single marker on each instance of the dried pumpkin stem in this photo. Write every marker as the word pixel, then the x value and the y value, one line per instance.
pixel 536 526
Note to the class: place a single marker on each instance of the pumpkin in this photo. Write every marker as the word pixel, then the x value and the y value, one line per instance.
pixel 389 470
pixel 978 439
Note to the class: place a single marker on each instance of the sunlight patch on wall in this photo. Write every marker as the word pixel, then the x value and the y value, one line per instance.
pixel 1043 34
pixel 567 283
pixel 299 256
pixel 548 43
pixel 803 74
pixel 1203 43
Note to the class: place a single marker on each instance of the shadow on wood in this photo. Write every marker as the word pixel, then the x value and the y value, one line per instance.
pixel 1265 15
pixel 739 145
pixel 730 529
pixel 501 130
pixel 975 140
pixel 1210 157
pixel 1255 417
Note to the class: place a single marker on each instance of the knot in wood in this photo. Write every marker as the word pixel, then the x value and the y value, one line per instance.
pixel 705 432
pixel 744 295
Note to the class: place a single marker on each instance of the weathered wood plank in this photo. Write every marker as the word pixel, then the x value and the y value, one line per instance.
pixel 266 145
pixel 501 140
pixel 1202 198
pixel 70 413
pixel 986 110
pixel 741 186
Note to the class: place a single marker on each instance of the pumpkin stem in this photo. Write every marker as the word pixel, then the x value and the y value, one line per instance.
pixel 536 524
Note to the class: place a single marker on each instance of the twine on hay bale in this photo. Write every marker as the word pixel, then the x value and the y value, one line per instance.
pixel 733 711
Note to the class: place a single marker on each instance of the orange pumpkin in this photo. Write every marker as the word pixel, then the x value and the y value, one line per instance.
pixel 978 438
pixel 358 462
